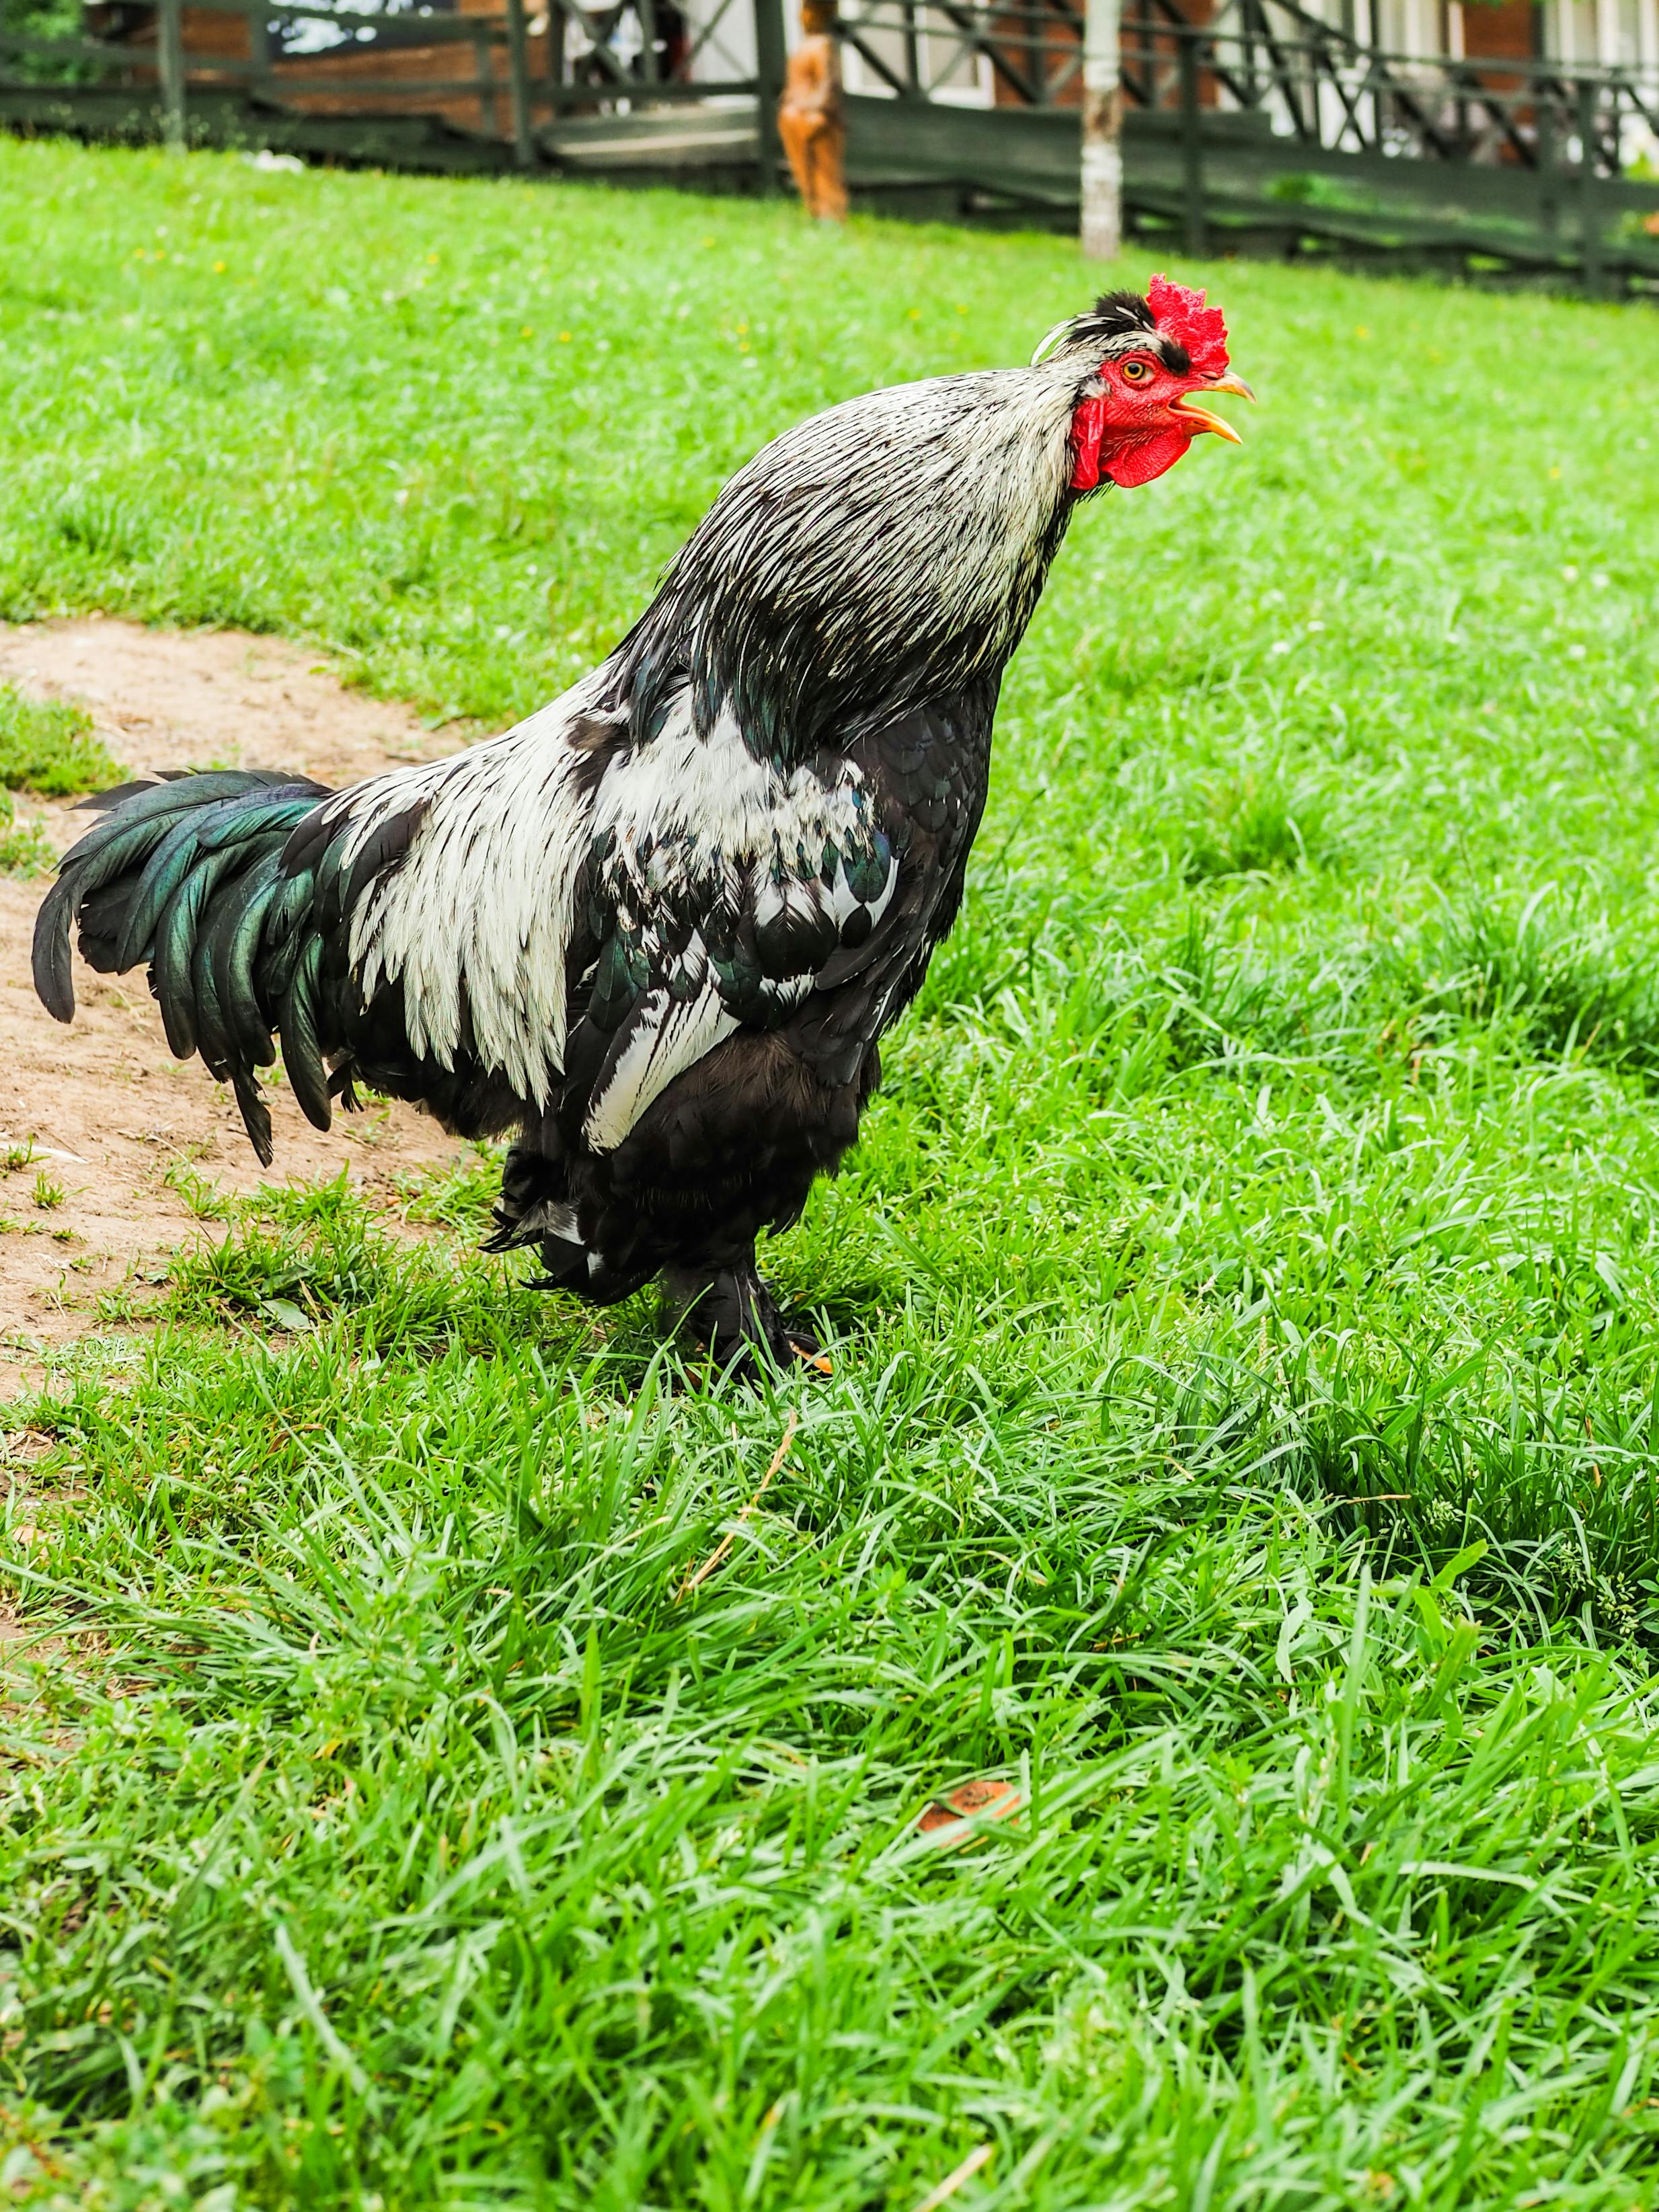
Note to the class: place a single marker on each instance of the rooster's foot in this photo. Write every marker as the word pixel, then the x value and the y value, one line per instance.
pixel 732 1314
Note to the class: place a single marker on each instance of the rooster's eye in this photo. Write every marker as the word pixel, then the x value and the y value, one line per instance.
pixel 1137 372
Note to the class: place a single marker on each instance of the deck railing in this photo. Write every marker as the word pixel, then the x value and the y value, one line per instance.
pixel 579 66
pixel 1314 81
pixel 1269 126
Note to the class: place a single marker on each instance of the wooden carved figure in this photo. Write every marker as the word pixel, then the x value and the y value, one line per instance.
pixel 812 121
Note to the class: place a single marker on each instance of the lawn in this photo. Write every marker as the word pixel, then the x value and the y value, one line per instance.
pixel 1245 1303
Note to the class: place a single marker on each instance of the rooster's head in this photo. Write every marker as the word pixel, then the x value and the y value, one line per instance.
pixel 1140 363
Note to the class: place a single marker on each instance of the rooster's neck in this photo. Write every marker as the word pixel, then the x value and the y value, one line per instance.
pixel 882 554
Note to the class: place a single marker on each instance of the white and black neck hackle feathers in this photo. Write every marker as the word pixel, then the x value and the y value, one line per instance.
pixel 657 930
pixel 887 550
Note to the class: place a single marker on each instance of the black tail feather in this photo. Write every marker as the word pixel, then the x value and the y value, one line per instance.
pixel 186 874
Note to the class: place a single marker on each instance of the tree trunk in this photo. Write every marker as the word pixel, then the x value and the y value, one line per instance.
pixel 1103 133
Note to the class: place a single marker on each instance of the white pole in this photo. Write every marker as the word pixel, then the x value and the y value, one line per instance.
pixel 1103 133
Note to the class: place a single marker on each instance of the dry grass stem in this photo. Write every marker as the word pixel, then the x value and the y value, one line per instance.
pixel 714 1557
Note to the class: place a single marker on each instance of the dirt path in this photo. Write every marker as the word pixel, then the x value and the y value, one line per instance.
pixel 107 1109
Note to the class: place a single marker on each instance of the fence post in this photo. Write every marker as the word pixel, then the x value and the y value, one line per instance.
pixel 771 54
pixel 517 65
pixel 484 74
pixel 1549 157
pixel 1192 145
pixel 1101 183
pixel 556 40
pixel 259 50
pixel 1589 213
pixel 170 69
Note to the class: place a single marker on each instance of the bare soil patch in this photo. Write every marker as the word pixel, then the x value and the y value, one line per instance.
pixel 107 1109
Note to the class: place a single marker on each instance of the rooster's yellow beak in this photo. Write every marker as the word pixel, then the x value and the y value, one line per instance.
pixel 1188 406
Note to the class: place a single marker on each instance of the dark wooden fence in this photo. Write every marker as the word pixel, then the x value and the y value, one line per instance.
pixel 1283 135
pixel 499 98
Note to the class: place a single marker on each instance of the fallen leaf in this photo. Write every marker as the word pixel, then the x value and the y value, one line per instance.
pixel 287 1314
pixel 950 1818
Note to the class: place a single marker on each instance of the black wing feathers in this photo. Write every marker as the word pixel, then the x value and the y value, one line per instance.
pixel 930 770
pixel 381 848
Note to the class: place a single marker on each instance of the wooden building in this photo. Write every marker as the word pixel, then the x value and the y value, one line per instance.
pixel 926 45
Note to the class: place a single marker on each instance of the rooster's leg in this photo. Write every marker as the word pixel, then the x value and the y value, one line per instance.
pixel 733 1312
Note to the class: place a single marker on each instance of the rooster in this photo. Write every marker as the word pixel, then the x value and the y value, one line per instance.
pixel 657 930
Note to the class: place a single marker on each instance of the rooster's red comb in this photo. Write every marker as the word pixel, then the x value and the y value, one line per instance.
pixel 1181 315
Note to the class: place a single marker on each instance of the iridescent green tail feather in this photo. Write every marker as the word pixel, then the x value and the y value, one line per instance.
pixel 188 876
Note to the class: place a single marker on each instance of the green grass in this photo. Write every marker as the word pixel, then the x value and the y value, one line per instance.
pixel 1246 1305
pixel 49 745
pixel 24 849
